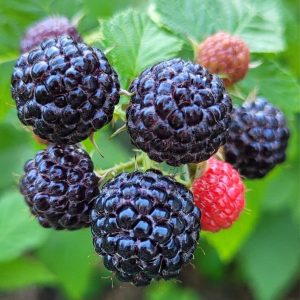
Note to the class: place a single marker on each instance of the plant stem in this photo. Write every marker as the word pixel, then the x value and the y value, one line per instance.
pixel 145 163
pixel 121 167
pixel 119 113
pixel 125 93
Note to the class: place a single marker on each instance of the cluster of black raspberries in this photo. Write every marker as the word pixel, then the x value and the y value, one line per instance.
pixel 144 224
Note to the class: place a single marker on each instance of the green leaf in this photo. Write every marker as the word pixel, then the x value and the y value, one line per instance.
pixel 136 43
pixel 17 15
pixel 23 272
pixel 208 262
pixel 276 84
pixel 228 242
pixel 169 290
pixel 69 255
pixel 113 150
pixel 19 231
pixel 100 9
pixel 271 257
pixel 287 176
pixel 5 95
pixel 257 22
pixel 15 150
pixel 290 57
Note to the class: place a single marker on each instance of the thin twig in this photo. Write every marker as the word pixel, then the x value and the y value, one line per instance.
pixel 125 93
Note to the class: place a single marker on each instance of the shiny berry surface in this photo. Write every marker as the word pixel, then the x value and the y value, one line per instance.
pixel 64 90
pixel 179 112
pixel 59 187
pixel 50 27
pixel 220 194
pixel 258 138
pixel 225 54
pixel 146 226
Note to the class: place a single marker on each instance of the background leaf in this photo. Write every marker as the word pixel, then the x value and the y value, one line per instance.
pixel 69 255
pixel 136 43
pixel 113 150
pixel 257 22
pixel 271 257
pixel 19 231
pixel 66 261
pixel 276 84
pixel 170 290
pixel 15 150
pixel 22 272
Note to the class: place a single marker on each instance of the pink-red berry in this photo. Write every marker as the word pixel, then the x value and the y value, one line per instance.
pixel 223 53
pixel 219 193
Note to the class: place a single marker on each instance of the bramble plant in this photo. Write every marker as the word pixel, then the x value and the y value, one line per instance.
pixel 210 114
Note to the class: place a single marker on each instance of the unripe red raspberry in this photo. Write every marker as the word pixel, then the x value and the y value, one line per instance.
pixel 220 195
pixel 223 53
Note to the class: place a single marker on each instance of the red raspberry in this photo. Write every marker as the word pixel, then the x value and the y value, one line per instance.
pixel 219 193
pixel 223 53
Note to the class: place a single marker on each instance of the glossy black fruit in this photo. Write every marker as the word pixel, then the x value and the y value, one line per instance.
pixel 59 186
pixel 258 138
pixel 179 113
pixel 65 90
pixel 146 226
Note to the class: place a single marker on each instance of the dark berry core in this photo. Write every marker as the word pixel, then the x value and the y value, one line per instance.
pixel 65 90
pixel 145 231
pixel 258 138
pixel 179 113
pixel 59 187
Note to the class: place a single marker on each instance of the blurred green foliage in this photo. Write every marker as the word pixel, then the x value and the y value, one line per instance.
pixel 263 245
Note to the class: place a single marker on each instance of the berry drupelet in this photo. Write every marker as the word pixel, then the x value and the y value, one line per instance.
pixel 64 90
pixel 59 186
pixel 179 113
pixel 146 226
pixel 258 138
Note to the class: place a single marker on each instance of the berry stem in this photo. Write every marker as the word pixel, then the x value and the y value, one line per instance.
pixel 196 170
pixel 236 92
pixel 193 171
pixel 251 96
pixel 201 169
pixel 147 162
pixel 186 174
pixel 194 45
pixel 113 171
pixel 220 154
pixel 92 139
pixel 119 113
pixel 125 93
pixel 119 130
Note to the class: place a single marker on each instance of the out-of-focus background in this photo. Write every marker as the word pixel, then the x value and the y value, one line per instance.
pixel 259 257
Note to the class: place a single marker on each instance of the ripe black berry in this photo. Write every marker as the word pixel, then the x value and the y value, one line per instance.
pixel 146 226
pixel 65 90
pixel 50 27
pixel 179 112
pixel 59 186
pixel 258 138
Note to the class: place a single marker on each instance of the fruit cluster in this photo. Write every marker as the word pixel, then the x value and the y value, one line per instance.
pixel 144 223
